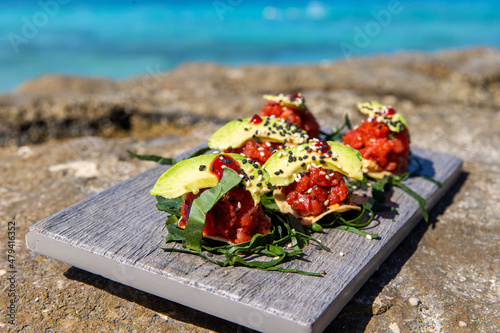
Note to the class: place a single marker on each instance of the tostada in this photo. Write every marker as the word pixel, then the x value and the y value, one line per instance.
pixel 292 108
pixel 382 139
pixel 309 179
pixel 235 215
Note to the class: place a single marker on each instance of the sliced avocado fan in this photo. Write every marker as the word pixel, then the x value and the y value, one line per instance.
pixel 193 174
pixel 263 129
pixel 284 165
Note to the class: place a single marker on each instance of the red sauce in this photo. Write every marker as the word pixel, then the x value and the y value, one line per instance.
pixel 303 118
pixel 388 111
pixel 228 221
pixel 251 150
pixel 308 196
pixel 376 142
pixel 322 146
pixel 256 119
pixel 219 161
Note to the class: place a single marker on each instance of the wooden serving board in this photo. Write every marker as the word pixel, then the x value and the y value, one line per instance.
pixel 118 234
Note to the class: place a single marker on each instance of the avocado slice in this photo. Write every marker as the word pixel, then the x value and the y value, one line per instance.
pixel 376 111
pixel 193 174
pixel 293 101
pixel 263 129
pixel 285 164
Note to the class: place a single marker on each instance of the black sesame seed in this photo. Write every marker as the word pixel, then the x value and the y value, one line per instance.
pixel 314 197
pixel 259 184
pixel 303 165
pixel 202 167
pixel 277 173
pixel 252 177
pixel 255 165
pixel 244 161
pixel 313 158
pixel 322 161
pixel 237 210
pixel 212 169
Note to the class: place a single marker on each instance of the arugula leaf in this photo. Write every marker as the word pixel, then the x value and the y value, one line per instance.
pixel 202 204
pixel 339 131
pixel 421 201
pixel 154 158
pixel 171 206
pixel 269 204
pixel 166 160
pixel 271 245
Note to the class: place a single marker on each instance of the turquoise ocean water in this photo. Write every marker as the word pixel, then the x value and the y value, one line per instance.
pixel 119 39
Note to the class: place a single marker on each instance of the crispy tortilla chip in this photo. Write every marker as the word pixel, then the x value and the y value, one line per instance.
pixel 374 170
pixel 310 219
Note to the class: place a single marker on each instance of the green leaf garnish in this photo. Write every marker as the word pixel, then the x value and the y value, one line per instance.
pixel 202 204
pixel 171 206
pixel 153 158
pixel 253 253
pixel 339 131
pixel 166 160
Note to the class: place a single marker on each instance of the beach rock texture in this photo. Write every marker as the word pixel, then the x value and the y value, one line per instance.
pixel 65 138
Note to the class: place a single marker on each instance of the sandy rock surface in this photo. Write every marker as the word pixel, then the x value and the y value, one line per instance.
pixel 65 138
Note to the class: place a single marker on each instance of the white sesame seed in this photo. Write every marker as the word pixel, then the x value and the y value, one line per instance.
pixel 239 204
pixel 341 254
pixel 369 236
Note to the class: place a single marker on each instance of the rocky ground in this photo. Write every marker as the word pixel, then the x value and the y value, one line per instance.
pixel 64 138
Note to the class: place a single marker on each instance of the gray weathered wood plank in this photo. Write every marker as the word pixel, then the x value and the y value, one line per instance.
pixel 118 234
